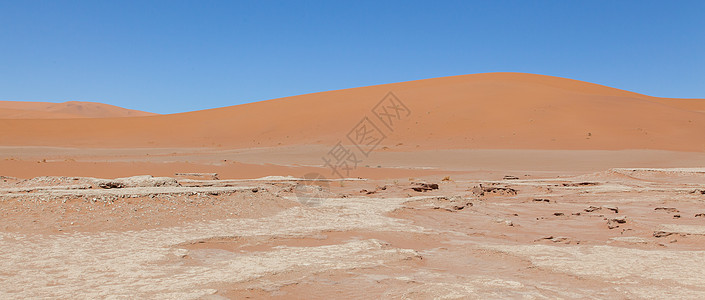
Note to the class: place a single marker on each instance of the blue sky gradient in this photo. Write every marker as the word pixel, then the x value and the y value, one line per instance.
pixel 176 56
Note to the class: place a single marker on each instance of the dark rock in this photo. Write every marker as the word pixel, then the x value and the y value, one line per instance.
pixel 496 190
pixel 580 184
pixel 620 220
pixel 612 208
pixel 660 234
pixel 111 185
pixel 591 208
pixel 424 187
pixel 612 223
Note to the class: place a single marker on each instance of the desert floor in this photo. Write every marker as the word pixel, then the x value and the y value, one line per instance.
pixel 499 224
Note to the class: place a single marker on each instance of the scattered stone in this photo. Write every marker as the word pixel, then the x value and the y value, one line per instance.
pixel 460 207
pixel 495 190
pixel 591 208
pixel 558 214
pixel 509 177
pixel 366 192
pixel 580 184
pixel 379 188
pixel 698 191
pixel 212 176
pixel 595 208
pixel 459 203
pixel 451 204
pixel 668 209
pixel 612 208
pixel 699 215
pixel 541 200
pixel 621 220
pixel 136 181
pixel 612 223
pixel 424 187
pixel 556 239
pixel 111 185
pixel 447 178
pixel 676 216
pixel 506 222
pixel 660 233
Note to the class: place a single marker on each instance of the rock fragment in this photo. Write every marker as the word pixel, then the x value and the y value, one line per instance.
pixel 576 184
pixel 111 185
pixel 424 187
pixel 660 233
pixel 591 208
pixel 612 208
pixel 136 181
pixel 612 222
pixel 495 190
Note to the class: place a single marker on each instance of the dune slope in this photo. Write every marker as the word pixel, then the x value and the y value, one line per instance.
pixel 65 110
pixel 479 111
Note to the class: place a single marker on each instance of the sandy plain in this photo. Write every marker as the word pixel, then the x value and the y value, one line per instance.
pixel 494 186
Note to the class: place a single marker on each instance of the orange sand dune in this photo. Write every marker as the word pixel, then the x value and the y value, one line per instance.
pixel 65 110
pixel 480 111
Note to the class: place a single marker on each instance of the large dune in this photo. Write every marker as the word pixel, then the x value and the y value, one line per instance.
pixel 480 111
pixel 65 110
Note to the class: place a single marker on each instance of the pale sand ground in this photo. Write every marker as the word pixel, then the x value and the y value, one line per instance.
pixel 224 238
pixel 27 162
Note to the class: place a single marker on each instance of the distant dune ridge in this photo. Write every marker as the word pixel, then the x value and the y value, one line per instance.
pixel 65 110
pixel 479 111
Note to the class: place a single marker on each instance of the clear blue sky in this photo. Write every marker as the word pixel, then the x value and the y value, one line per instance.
pixel 175 56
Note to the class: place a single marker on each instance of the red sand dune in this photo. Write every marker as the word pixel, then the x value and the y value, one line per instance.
pixel 480 111
pixel 65 110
